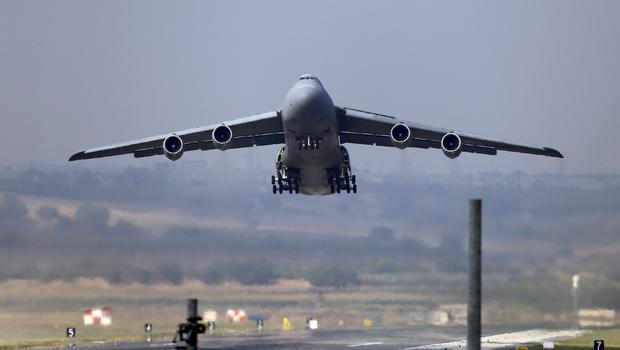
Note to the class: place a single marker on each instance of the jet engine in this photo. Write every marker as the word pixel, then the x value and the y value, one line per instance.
pixel 222 137
pixel 451 145
pixel 173 147
pixel 400 134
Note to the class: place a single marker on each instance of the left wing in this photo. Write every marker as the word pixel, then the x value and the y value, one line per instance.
pixel 357 126
pixel 258 130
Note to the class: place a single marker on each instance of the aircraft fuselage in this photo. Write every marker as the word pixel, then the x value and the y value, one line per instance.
pixel 312 148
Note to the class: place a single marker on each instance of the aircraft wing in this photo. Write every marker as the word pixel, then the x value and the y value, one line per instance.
pixel 361 127
pixel 258 130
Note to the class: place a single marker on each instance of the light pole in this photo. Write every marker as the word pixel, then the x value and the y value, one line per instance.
pixel 575 292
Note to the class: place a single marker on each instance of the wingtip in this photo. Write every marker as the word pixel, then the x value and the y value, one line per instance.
pixel 551 152
pixel 78 156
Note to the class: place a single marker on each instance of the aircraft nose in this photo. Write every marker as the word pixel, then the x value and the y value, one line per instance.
pixel 305 101
pixel 305 95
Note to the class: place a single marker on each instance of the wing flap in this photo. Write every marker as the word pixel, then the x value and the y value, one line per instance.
pixel 148 152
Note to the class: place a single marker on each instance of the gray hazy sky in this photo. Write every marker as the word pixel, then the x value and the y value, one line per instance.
pixel 77 74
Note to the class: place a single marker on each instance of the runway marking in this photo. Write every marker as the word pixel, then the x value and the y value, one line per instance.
pixel 365 344
pixel 506 339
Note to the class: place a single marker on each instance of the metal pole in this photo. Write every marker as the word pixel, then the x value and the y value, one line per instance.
pixel 191 341
pixel 475 276
pixel 192 309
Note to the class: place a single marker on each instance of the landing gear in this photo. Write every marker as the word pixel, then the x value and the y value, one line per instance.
pixel 340 179
pixel 309 142
pixel 338 184
pixel 288 184
pixel 286 179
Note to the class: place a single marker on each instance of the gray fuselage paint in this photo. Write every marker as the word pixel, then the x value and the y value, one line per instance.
pixel 308 111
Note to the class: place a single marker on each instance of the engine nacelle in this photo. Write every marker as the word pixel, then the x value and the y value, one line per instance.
pixel 400 134
pixel 173 147
pixel 451 145
pixel 222 137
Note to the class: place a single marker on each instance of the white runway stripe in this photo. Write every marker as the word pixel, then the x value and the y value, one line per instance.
pixel 365 344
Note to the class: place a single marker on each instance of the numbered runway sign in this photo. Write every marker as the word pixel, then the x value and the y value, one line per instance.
pixel 148 327
pixel 599 345
pixel 70 332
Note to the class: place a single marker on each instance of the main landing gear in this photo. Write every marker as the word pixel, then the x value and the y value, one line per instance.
pixel 341 179
pixel 284 184
pixel 342 183
pixel 286 179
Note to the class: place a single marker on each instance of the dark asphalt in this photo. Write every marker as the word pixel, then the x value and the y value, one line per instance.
pixel 337 339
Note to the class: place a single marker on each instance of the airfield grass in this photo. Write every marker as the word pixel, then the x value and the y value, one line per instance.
pixel 586 341
pixel 37 314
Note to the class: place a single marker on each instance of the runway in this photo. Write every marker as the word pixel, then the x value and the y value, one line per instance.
pixel 410 338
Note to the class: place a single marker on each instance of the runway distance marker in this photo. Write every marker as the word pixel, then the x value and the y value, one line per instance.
pixel 599 344
pixel 71 332
pixel 148 327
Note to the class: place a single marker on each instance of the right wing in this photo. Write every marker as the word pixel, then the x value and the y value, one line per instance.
pixel 361 127
pixel 258 130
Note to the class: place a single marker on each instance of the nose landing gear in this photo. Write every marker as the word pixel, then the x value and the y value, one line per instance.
pixel 309 143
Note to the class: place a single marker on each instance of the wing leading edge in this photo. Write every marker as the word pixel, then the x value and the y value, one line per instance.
pixel 258 130
pixel 362 127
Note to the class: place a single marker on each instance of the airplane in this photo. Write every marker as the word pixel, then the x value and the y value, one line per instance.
pixel 312 129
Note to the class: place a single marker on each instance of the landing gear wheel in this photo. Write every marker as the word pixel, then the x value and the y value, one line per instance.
pixel 354 188
pixel 274 189
pixel 273 180
pixel 280 188
pixel 290 187
pixel 297 188
pixel 353 179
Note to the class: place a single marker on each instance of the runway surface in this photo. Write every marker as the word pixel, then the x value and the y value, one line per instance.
pixel 411 338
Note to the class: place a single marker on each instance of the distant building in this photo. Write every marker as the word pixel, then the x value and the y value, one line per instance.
pixel 448 314
pixel 596 317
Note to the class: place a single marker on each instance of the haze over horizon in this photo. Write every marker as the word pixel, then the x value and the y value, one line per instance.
pixel 78 74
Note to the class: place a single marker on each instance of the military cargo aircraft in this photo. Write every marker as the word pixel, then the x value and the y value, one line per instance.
pixel 312 131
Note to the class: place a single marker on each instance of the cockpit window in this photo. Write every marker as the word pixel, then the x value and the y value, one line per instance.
pixel 308 77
